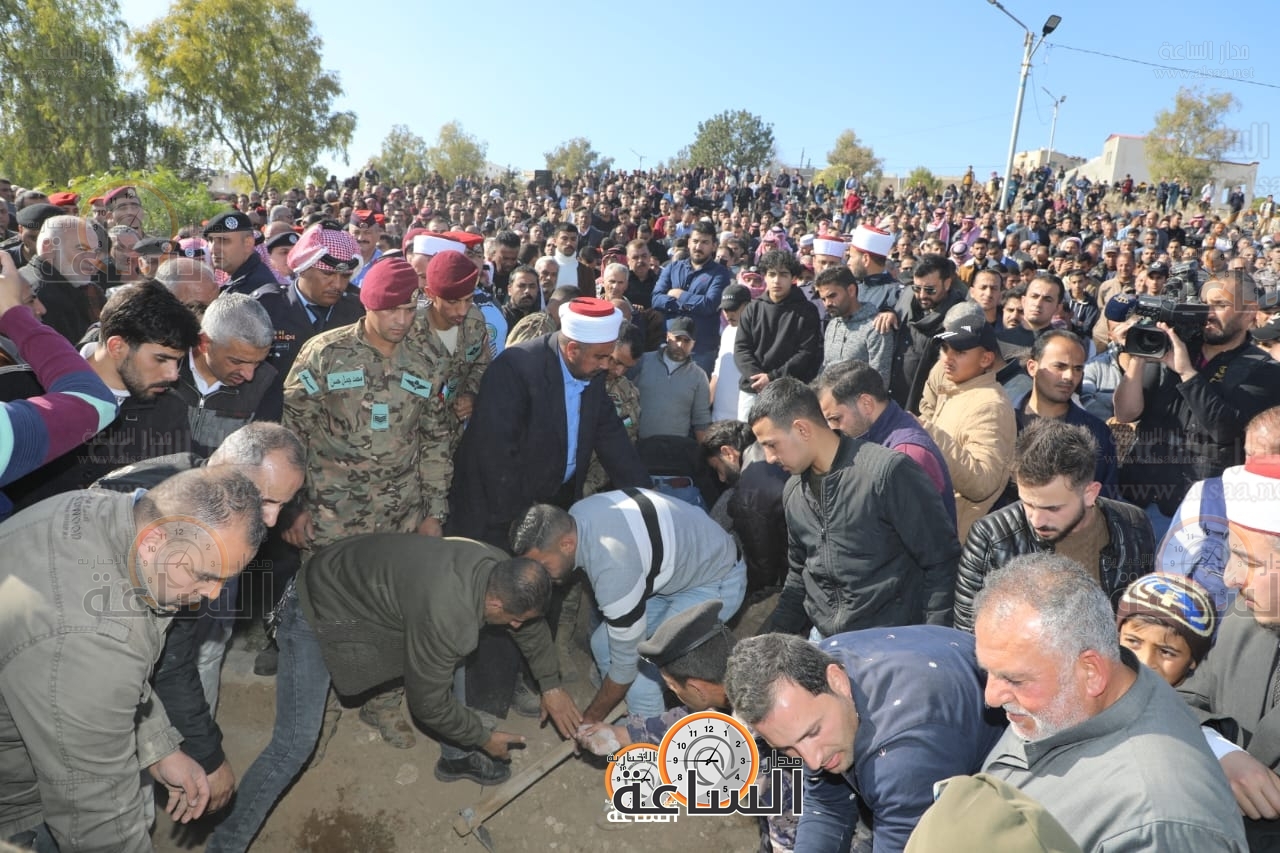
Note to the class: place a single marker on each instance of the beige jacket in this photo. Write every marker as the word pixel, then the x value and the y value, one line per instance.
pixel 974 426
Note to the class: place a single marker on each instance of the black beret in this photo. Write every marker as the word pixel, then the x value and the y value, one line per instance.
pixel 34 215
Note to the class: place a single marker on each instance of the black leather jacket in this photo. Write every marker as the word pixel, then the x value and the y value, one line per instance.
pixel 998 537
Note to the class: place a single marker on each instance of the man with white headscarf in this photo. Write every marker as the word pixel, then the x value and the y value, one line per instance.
pixel 541 412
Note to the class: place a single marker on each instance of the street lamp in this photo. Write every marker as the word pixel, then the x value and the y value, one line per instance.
pixel 1030 44
pixel 1053 127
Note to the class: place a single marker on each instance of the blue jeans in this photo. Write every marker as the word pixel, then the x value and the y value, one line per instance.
pixel 212 636
pixel 644 697
pixel 1159 521
pixel 689 494
pixel 706 360
pixel 302 686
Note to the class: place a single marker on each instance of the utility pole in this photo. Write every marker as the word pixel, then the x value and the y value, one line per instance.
pixel 1029 46
pixel 1053 126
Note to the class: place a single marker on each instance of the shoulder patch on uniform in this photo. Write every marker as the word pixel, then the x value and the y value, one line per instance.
pixel 473 352
pixel 415 385
pixel 308 381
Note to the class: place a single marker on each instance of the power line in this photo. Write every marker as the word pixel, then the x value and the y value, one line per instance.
pixel 1188 73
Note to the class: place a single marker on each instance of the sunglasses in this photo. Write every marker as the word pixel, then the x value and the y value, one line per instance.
pixel 927 291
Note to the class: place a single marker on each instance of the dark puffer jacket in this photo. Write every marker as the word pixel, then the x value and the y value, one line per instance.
pixel 997 538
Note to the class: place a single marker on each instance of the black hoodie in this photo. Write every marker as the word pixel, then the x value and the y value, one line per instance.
pixel 779 338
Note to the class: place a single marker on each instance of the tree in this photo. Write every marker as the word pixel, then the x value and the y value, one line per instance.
pixel 141 141
pixel 736 140
pixel 169 201
pixel 1188 142
pixel 457 153
pixel 58 102
pixel 922 177
pixel 405 156
pixel 676 163
pixel 851 157
pixel 576 157
pixel 246 73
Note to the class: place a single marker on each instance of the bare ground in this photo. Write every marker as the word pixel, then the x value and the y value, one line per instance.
pixel 365 796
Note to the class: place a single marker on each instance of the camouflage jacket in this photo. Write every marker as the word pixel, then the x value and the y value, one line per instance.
pixel 460 370
pixel 534 325
pixel 377 434
pixel 626 399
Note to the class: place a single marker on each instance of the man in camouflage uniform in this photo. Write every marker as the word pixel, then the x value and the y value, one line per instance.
pixel 365 401
pixel 625 396
pixel 453 335
pixel 541 323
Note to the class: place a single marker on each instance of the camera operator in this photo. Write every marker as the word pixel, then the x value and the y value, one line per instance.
pixel 1191 405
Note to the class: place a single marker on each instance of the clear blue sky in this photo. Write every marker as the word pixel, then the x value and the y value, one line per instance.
pixel 929 83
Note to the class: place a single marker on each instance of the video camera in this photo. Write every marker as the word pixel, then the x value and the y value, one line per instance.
pixel 1182 283
pixel 1185 318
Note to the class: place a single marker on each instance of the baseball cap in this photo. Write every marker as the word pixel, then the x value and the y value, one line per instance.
pixel 1119 307
pixel 967 335
pixel 681 326
pixel 734 297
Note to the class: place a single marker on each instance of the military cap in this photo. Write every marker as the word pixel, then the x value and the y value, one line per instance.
pixel 125 192
pixel 230 222
pixel 683 633
pixel 156 246
pixel 33 216
pixel 283 240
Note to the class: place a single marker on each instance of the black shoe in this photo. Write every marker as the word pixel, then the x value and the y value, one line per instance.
pixel 267 661
pixel 476 766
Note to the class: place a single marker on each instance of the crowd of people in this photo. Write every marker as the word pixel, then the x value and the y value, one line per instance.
pixel 1014 478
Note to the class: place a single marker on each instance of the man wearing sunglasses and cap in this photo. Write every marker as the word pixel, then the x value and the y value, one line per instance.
pixel 231 249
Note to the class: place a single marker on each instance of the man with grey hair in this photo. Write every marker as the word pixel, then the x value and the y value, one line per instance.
pixel 1083 713
pixel 61 275
pixel 192 281
pixel 186 676
pixel 124 260
pixel 613 281
pixel 280 213
pixel 548 270
pixel 78 720
pixel 224 379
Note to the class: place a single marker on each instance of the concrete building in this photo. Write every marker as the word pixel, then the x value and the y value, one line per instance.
pixel 1024 161
pixel 1123 154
